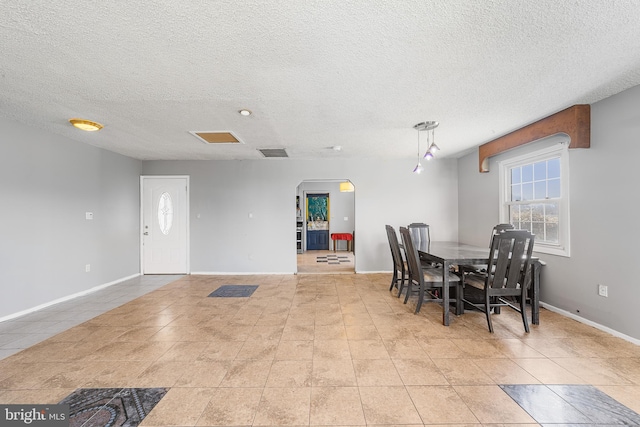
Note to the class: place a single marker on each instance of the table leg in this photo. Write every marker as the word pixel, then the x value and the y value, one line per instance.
pixel 535 297
pixel 445 293
pixel 334 245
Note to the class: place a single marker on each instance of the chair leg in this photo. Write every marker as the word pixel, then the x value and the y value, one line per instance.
pixel 420 298
pixel 409 289
pixel 523 311
pixel 394 280
pixel 487 310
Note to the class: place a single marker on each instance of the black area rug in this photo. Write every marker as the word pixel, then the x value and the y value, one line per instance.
pixel 106 407
pixel 234 291
pixel 554 405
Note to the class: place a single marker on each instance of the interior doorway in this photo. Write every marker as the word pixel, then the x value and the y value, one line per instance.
pixel 325 209
pixel 164 222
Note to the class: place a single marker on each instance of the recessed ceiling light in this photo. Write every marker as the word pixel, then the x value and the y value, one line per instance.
pixel 86 125
pixel 337 148
pixel 245 112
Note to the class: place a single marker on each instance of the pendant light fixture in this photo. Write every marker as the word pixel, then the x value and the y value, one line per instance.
pixel 431 145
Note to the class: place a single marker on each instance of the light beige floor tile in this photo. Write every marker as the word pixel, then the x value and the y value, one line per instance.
pixel 516 348
pixel 179 407
pixel 368 349
pixel 376 372
pixel 302 332
pixel 231 407
pixel 284 407
pixel 362 332
pixel 478 348
pixel 593 371
pixel 247 373
pixel 333 372
pixel 388 405
pixel 330 332
pixel 258 349
pixel 290 373
pixel 221 350
pixel 336 406
pixel 34 396
pixel 184 351
pixel 441 348
pixel 161 374
pixel 440 404
pixel 490 404
pixel 462 371
pixel 419 372
pixel 331 349
pixel 295 350
pixel 405 349
pixel 505 371
pixel 548 372
pixel 203 374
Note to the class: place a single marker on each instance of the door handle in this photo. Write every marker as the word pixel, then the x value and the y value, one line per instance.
pixel 146 233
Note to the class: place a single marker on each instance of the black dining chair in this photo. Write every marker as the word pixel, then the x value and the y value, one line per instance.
pixel 419 232
pixel 426 281
pixel 399 265
pixel 507 277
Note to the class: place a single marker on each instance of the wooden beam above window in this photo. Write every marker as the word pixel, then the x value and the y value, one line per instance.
pixel 574 121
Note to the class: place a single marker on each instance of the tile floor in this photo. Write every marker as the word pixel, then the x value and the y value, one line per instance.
pixel 318 350
pixel 324 262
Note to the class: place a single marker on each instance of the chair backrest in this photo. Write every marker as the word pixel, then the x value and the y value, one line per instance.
pixel 419 233
pixel 398 263
pixel 497 229
pixel 411 253
pixel 510 260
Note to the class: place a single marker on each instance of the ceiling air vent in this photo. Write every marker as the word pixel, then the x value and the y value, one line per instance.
pixel 273 152
pixel 216 137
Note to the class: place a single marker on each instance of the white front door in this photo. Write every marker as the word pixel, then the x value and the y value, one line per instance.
pixel 164 224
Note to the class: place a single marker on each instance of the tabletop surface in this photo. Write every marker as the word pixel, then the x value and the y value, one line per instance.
pixel 452 251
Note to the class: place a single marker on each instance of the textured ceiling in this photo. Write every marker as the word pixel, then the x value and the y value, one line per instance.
pixel 358 74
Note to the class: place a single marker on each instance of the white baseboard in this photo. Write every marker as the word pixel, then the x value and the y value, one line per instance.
pixel 590 323
pixel 235 273
pixel 67 298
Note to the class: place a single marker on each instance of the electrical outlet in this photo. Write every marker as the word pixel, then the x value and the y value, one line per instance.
pixel 603 290
pixel 87 268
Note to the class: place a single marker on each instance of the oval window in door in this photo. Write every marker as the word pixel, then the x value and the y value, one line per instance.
pixel 165 213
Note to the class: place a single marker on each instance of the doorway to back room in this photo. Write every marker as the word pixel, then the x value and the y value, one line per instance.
pixel 325 226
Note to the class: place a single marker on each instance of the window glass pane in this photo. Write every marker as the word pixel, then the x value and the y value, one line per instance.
pixel 538 230
pixel 537 213
pixel 516 193
pixel 554 188
pixel 515 175
pixel 551 212
pixel 514 216
pixel 527 173
pixel 165 213
pixel 525 215
pixel 540 170
pixel 540 190
pixel 553 168
pixel 527 191
pixel 552 233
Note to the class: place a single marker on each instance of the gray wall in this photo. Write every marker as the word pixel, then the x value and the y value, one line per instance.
pixel 604 233
pixel 223 193
pixel 47 183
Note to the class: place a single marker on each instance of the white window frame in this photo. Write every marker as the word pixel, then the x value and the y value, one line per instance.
pixel 562 248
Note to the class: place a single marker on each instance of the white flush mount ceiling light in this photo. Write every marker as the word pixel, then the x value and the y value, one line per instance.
pixel 86 125
pixel 245 112
pixel 432 148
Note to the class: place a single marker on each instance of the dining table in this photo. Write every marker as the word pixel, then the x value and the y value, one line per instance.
pixel 452 253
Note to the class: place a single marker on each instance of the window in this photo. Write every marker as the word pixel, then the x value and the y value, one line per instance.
pixel 534 196
pixel 165 213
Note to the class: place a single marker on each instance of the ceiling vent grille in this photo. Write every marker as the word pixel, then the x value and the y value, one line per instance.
pixel 273 152
pixel 216 137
